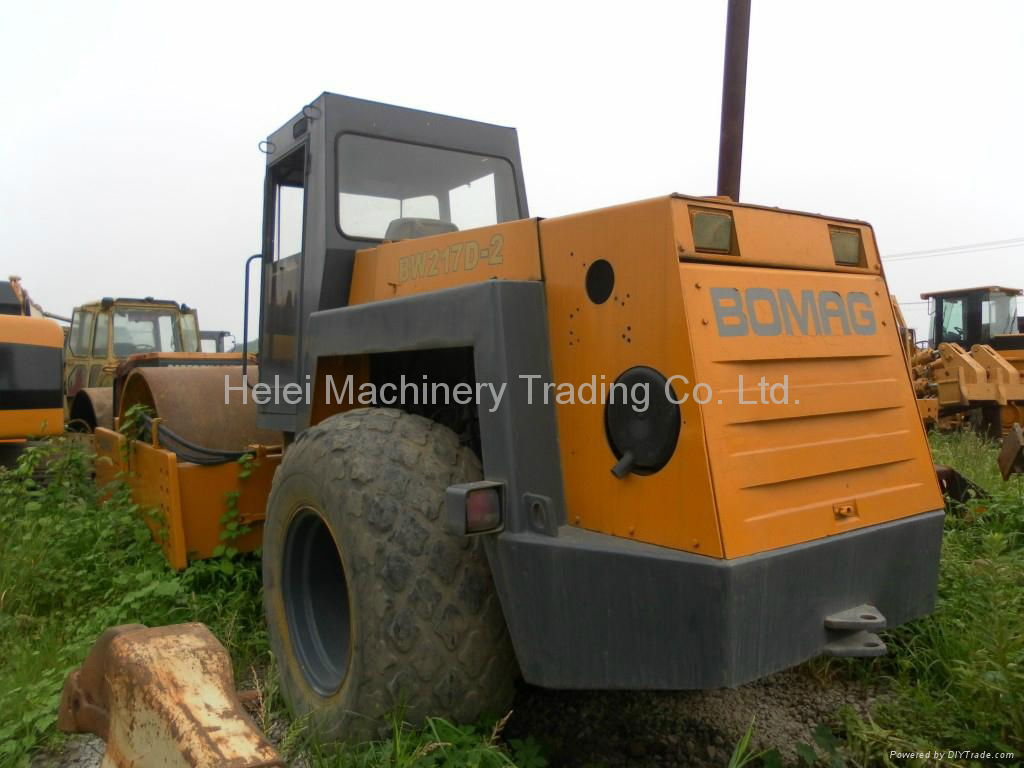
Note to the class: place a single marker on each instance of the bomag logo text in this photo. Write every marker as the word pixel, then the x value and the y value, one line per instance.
pixel 774 312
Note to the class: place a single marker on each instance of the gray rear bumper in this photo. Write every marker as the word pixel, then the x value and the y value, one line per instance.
pixel 587 610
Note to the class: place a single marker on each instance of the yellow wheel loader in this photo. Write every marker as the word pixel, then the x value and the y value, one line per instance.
pixel 971 371
pixel 974 361
pixel 671 444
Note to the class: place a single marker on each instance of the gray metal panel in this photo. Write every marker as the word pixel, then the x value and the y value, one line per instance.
pixel 587 610
pixel 505 322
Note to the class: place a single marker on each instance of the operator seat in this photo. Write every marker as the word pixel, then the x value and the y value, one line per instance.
pixel 408 227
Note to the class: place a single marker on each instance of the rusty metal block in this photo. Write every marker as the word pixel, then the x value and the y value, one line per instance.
pixel 163 696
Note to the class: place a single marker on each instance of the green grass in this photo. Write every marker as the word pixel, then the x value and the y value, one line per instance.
pixel 956 679
pixel 438 744
pixel 72 564
pixel 74 561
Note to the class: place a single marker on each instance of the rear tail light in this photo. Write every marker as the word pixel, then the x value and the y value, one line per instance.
pixel 473 508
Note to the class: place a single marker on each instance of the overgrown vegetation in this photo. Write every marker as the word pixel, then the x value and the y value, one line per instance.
pixel 73 563
pixel 955 681
pixel 438 744
pixel 75 560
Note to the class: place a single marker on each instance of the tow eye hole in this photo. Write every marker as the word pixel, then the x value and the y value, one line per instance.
pixel 641 422
pixel 600 281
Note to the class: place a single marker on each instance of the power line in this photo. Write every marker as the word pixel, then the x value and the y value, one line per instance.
pixel 961 247
pixel 965 252
pixel 955 250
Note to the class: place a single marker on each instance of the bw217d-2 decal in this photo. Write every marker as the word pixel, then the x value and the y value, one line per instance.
pixel 466 255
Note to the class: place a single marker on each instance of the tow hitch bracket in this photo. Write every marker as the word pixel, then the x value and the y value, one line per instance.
pixel 851 632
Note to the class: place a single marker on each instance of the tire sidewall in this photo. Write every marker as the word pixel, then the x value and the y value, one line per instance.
pixel 300 491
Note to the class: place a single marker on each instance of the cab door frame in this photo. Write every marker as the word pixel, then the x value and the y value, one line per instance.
pixel 280 336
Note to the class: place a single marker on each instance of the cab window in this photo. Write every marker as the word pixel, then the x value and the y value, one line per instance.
pixel 953 320
pixel 190 333
pixel 998 315
pixel 144 330
pixel 383 184
pixel 81 331
pixel 288 177
pixel 102 335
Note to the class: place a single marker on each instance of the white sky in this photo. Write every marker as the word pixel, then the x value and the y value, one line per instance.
pixel 130 130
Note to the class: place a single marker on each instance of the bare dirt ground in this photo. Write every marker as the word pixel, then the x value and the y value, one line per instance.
pixel 80 751
pixel 691 728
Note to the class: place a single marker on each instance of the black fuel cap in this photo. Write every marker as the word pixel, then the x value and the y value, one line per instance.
pixel 641 422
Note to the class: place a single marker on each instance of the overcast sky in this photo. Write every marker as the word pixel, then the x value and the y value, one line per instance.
pixel 130 130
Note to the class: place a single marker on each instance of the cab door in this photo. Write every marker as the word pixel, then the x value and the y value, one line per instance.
pixel 78 347
pixel 100 352
pixel 283 243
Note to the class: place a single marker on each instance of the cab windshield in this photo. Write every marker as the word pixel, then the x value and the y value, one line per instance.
pixel 146 330
pixel 389 190
pixel 999 314
pixel 975 317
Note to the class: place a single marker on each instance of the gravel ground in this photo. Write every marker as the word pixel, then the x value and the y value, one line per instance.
pixel 613 729
pixel 80 751
pixel 692 728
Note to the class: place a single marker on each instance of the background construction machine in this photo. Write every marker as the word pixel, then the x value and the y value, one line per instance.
pixel 972 367
pixel 426 552
pixel 110 338
pixel 30 371
pixel 106 332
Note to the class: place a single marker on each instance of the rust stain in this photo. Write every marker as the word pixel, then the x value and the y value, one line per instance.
pixel 163 695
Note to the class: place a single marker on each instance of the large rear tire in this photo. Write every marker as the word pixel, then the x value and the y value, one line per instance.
pixel 371 605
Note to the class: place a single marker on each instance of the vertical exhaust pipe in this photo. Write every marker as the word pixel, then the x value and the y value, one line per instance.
pixel 734 95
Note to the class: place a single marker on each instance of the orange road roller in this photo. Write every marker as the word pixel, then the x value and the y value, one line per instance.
pixel 671 444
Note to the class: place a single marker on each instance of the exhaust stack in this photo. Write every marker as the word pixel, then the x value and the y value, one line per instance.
pixel 734 94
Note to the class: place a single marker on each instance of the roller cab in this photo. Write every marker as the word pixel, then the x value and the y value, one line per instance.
pixel 104 334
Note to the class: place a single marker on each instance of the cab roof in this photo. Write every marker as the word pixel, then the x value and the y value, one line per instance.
pixel 129 300
pixel 979 289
